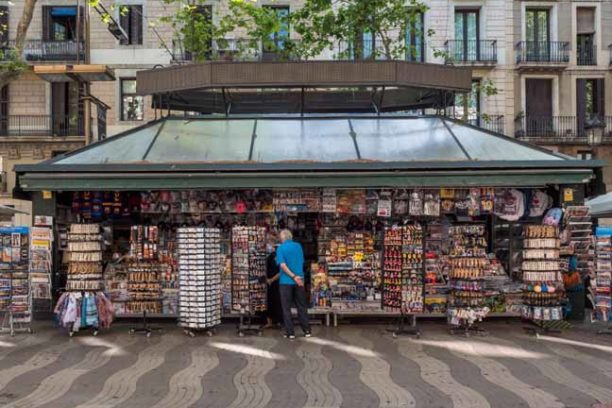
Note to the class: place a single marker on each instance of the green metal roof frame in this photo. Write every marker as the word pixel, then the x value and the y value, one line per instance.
pixel 139 174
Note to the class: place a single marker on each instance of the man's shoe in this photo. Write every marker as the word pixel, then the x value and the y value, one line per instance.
pixel 308 334
pixel 289 336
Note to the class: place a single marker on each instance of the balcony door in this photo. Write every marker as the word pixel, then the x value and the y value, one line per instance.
pixel 537 32
pixel 590 104
pixel 467 35
pixel 415 39
pixel 539 106
pixel 67 108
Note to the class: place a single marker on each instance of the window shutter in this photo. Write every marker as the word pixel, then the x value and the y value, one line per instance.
pixel 136 22
pixel 585 19
pixel 124 22
pixel 82 23
pixel 581 104
pixel 601 97
pixel 46 15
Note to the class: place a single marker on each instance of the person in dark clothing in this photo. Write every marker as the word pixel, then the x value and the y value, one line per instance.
pixel 274 314
pixel 290 258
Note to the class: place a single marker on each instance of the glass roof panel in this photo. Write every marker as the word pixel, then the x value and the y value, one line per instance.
pixel 303 140
pixel 482 146
pixel 423 139
pixel 123 149
pixel 207 141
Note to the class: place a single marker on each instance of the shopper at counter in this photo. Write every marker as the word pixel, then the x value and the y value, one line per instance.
pixel 290 259
pixel 274 312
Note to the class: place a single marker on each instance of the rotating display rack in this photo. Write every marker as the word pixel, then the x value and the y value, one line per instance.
pixel 199 257
pixel 249 292
pixel 15 296
pixel 469 265
pixel 543 283
pixel 84 305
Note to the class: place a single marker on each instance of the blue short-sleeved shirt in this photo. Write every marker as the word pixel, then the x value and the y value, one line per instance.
pixel 291 254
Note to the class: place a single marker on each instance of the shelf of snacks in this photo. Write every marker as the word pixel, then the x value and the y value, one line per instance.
pixel 543 283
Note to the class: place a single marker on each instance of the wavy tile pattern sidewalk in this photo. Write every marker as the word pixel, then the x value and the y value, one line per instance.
pixel 350 366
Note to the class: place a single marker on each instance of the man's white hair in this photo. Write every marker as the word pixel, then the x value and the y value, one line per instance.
pixel 286 235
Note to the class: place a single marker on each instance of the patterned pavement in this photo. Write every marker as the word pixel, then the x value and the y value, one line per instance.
pixel 349 366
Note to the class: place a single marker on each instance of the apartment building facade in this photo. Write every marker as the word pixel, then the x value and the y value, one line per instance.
pixel 542 70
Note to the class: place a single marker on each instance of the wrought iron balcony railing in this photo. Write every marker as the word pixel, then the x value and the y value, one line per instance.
pixel 542 52
pixel 471 51
pixel 563 129
pixel 586 55
pixel 41 126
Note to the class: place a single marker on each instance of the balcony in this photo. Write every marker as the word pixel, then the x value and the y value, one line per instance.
pixel 253 50
pixel 222 50
pixel 543 55
pixel 557 130
pixel 471 52
pixel 492 123
pixel 586 55
pixel 47 51
pixel 41 126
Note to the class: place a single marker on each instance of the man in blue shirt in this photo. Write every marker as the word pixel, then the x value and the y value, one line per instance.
pixel 290 258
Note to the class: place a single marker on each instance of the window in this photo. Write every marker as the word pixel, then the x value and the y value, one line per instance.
pixel 537 25
pixel 4 25
pixel 277 39
pixel 132 105
pixel 590 103
pixel 585 38
pixel 415 44
pixel 60 23
pixel 468 105
pixel 585 155
pixel 467 36
pixel 130 19
pixel 4 109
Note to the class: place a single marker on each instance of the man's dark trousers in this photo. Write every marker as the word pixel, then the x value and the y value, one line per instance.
pixel 289 295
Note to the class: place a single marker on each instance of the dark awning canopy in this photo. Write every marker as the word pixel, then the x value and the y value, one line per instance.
pixel 286 151
pixel 304 87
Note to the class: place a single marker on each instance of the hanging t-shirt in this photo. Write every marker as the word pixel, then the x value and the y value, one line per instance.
pixel 510 205
pixel 540 202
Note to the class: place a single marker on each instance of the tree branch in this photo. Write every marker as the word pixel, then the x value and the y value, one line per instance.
pixel 24 24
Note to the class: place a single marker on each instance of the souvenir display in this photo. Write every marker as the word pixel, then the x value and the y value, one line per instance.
pixel 436 259
pixel 249 269
pixel 436 269
pixel 84 304
pixel 509 204
pixel 353 270
pixel 603 281
pixel 145 271
pixel 199 260
pixel 85 258
pixel 469 266
pixel 297 201
pixel 320 292
pixel 578 222
pixel 403 270
pixel 542 280
pixel 15 295
pixel 41 263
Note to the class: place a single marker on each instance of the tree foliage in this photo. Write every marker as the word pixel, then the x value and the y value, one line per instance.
pixel 343 27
